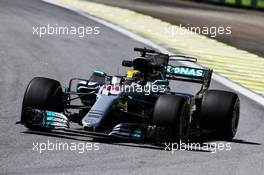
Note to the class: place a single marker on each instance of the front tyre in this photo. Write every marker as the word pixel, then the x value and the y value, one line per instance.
pixel 42 94
pixel 172 113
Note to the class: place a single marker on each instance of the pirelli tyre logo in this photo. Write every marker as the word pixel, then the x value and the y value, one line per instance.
pixel 185 71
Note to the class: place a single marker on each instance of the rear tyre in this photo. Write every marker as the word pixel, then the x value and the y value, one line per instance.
pixel 220 112
pixel 43 94
pixel 172 113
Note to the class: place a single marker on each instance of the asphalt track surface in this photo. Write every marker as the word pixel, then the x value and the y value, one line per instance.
pixel 24 56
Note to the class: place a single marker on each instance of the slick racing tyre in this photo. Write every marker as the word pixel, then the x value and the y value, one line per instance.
pixel 43 94
pixel 172 115
pixel 220 112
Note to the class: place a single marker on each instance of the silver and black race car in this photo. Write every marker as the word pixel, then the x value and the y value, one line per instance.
pixel 138 107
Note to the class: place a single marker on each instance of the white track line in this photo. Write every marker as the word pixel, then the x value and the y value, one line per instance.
pixel 224 81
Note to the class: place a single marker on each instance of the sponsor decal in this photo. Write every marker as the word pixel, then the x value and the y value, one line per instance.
pixel 185 71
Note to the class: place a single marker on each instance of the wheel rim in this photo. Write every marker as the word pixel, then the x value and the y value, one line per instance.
pixel 185 120
pixel 235 117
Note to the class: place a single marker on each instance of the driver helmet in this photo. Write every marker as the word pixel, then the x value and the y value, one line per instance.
pixel 134 76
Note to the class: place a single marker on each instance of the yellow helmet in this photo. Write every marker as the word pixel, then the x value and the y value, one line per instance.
pixel 134 74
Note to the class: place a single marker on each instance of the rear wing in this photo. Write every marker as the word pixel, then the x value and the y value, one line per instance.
pixel 189 74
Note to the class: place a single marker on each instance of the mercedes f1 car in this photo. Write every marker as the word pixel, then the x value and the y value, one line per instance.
pixel 137 107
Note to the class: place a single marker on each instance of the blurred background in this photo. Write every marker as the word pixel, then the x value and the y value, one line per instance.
pixel 245 17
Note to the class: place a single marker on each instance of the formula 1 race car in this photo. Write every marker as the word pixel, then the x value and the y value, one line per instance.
pixel 138 107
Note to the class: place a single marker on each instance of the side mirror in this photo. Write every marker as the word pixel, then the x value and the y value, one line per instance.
pixel 127 63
